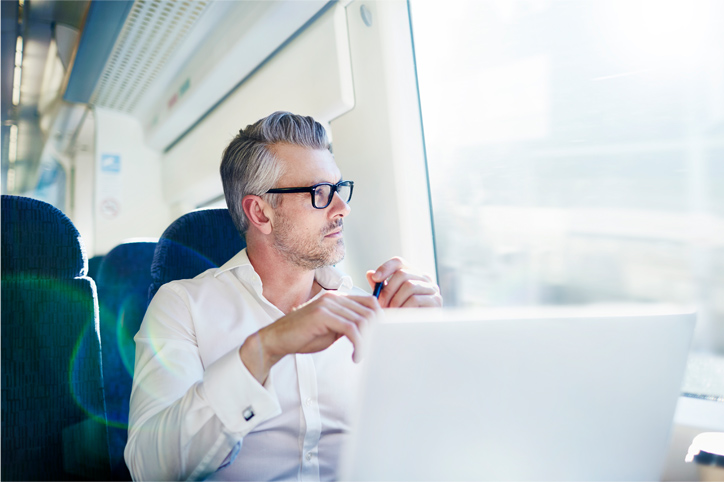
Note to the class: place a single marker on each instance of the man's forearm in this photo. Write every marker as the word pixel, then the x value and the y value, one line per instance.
pixel 152 454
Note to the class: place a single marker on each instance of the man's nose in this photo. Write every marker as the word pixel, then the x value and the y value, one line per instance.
pixel 338 207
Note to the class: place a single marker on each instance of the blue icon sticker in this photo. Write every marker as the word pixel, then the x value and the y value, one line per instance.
pixel 110 163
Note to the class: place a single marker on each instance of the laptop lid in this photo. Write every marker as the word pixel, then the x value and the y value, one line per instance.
pixel 533 394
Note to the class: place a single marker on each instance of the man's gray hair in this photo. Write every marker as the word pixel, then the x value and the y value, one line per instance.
pixel 249 166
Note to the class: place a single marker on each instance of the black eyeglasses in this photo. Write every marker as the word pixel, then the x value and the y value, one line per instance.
pixel 322 193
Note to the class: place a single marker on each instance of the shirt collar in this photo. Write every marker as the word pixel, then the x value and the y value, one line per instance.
pixel 329 277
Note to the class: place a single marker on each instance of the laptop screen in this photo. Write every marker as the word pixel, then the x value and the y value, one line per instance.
pixel 532 394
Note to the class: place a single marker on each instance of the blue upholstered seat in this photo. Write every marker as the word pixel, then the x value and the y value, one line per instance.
pixel 53 413
pixel 93 264
pixel 123 279
pixel 192 244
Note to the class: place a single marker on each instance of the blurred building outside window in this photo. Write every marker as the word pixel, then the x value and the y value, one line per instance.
pixel 576 155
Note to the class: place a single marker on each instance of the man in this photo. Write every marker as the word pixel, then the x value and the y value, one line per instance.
pixel 245 372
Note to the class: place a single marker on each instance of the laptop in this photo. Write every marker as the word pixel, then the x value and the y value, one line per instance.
pixel 523 394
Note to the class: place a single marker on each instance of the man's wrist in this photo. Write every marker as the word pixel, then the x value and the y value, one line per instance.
pixel 256 357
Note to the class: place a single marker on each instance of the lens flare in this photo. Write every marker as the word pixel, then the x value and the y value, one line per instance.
pixel 83 352
pixel 124 338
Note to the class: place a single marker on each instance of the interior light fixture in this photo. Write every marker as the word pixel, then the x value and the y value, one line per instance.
pixel 19 51
pixel 13 145
pixel 11 180
pixel 17 77
pixel 53 74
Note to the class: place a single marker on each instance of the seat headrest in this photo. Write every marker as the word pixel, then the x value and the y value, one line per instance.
pixel 93 264
pixel 126 266
pixel 192 244
pixel 39 241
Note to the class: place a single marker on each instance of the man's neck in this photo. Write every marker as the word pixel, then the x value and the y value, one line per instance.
pixel 284 284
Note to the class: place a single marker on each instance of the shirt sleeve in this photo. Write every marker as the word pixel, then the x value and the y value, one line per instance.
pixel 186 420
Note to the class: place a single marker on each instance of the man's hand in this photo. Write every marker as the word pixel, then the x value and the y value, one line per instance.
pixel 404 287
pixel 310 328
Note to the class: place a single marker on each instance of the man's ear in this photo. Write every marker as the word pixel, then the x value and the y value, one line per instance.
pixel 258 212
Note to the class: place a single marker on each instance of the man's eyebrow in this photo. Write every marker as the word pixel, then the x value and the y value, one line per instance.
pixel 320 181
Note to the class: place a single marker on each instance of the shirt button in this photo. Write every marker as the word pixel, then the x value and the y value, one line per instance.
pixel 309 456
pixel 308 402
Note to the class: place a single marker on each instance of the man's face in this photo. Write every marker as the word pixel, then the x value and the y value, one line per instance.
pixel 308 237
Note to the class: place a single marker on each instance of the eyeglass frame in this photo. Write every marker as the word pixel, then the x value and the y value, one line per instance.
pixel 311 189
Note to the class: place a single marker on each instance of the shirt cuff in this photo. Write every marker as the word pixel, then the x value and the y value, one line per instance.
pixel 237 398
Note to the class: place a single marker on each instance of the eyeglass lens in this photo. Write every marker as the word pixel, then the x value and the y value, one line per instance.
pixel 323 194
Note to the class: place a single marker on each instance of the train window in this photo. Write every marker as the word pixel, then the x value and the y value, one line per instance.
pixel 576 153
pixel 52 184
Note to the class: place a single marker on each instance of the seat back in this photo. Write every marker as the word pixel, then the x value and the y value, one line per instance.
pixel 192 244
pixel 93 264
pixel 123 279
pixel 53 413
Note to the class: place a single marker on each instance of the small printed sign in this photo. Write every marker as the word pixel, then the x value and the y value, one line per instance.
pixel 110 208
pixel 110 163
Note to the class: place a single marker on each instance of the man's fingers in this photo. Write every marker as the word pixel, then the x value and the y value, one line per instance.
pixel 423 301
pixel 360 310
pixel 366 301
pixel 351 331
pixel 314 326
pixel 353 311
pixel 402 278
pixel 387 269
pixel 370 278
pixel 412 288
pixel 350 314
pixel 365 305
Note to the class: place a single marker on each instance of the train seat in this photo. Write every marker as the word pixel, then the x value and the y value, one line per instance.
pixel 123 278
pixel 192 244
pixel 93 264
pixel 53 411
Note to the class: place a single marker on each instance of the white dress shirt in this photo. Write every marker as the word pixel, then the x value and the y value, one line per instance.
pixel 197 413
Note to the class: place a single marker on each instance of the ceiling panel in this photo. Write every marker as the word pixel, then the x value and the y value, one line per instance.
pixel 152 33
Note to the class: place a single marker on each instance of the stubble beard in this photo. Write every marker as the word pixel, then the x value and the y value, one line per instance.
pixel 308 253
